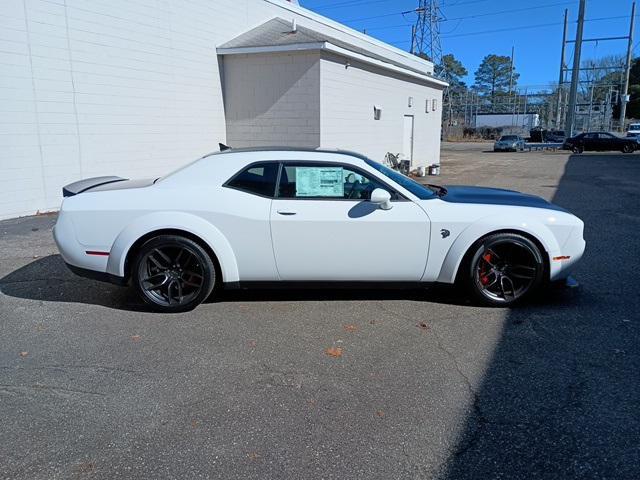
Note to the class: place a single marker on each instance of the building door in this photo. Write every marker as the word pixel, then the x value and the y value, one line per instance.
pixel 407 138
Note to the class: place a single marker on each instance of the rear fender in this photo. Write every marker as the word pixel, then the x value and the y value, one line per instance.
pixel 176 221
pixel 489 225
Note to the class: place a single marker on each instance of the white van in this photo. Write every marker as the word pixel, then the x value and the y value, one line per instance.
pixel 634 128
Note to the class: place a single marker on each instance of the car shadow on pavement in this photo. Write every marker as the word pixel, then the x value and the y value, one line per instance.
pixel 559 397
pixel 48 279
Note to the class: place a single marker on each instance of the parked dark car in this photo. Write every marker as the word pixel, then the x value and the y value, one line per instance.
pixel 633 136
pixel 599 142
pixel 555 136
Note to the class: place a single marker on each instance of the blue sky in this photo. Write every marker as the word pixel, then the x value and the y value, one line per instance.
pixel 535 33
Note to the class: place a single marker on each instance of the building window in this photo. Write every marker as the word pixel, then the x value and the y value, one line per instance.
pixel 377 113
pixel 427 106
pixel 434 104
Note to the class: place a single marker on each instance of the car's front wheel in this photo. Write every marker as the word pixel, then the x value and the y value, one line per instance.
pixel 503 269
pixel 627 148
pixel 578 149
pixel 173 273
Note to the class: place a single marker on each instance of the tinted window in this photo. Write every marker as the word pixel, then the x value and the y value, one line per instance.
pixel 509 137
pixel 259 179
pixel 327 181
pixel 419 190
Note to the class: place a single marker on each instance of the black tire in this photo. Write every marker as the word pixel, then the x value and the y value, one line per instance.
pixel 578 149
pixel 627 148
pixel 503 269
pixel 173 274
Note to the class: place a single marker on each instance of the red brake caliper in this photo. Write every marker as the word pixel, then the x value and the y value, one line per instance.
pixel 485 269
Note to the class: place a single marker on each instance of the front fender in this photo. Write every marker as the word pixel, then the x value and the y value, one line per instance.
pixel 179 221
pixel 486 226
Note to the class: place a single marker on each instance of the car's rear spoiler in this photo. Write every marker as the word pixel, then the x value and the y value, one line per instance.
pixel 86 184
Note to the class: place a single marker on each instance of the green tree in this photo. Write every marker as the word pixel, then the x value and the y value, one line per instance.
pixel 494 76
pixel 452 71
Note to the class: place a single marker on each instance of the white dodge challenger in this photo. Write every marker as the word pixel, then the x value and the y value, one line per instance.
pixel 244 217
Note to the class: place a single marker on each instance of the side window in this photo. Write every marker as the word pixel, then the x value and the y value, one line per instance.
pixel 259 179
pixel 327 181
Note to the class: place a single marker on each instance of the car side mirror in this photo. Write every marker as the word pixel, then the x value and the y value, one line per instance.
pixel 382 198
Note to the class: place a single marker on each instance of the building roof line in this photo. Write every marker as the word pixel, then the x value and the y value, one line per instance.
pixel 350 31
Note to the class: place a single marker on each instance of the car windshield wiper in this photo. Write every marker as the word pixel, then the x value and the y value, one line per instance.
pixel 440 191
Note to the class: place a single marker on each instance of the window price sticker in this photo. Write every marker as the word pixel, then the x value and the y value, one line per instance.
pixel 319 182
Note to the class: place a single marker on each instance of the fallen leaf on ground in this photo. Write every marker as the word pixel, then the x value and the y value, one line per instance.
pixel 24 354
pixel 372 322
pixel 253 343
pixel 334 352
pixel 423 326
pixel 86 467
pixel 350 328
pixel 380 413
pixel 253 456
pixel 194 424
pixel 135 338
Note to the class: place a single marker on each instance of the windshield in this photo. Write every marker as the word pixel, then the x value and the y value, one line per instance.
pixel 421 191
pixel 508 137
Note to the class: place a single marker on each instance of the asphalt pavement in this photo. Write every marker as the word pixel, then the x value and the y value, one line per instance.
pixel 341 383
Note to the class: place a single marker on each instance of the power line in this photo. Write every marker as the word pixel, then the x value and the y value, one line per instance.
pixel 510 29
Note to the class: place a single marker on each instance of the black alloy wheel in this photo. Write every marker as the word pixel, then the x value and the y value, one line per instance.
pixel 173 273
pixel 578 149
pixel 505 268
pixel 627 148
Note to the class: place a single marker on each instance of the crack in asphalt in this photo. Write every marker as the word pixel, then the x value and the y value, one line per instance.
pixel 6 388
pixel 480 420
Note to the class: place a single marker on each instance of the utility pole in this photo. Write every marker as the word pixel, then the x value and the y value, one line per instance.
pixel 562 67
pixel 575 73
pixel 624 98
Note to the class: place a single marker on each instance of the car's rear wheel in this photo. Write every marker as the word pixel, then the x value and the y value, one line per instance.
pixel 578 149
pixel 173 273
pixel 504 269
pixel 627 148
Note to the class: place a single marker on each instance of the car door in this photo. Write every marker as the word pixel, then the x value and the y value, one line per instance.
pixel 608 142
pixel 591 142
pixel 324 228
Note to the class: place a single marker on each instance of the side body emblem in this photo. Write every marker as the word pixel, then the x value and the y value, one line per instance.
pixel 445 233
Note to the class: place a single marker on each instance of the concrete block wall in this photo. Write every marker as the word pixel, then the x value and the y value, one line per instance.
pixel 119 87
pixel 272 99
pixel 348 97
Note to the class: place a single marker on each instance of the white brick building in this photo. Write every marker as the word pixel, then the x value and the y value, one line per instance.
pixel 136 87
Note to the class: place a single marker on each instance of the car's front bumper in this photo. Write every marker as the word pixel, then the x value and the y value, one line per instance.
pixel 562 263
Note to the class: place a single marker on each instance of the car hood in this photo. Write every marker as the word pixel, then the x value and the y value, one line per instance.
pixel 495 196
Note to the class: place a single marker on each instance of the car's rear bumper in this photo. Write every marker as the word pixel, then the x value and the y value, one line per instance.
pixel 81 259
pixel 99 276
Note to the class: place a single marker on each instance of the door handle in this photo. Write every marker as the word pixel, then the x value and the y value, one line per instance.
pixel 285 212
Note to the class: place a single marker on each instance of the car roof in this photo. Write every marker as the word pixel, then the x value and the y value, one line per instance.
pixel 338 151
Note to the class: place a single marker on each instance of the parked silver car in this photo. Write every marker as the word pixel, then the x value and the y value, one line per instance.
pixel 509 143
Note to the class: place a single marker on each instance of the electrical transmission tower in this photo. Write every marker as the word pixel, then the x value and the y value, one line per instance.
pixel 426 31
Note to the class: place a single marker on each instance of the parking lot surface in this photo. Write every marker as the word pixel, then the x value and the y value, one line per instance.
pixel 335 384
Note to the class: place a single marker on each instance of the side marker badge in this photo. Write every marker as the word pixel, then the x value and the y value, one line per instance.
pixel 445 233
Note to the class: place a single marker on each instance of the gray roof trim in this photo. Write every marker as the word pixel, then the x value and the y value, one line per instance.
pixel 277 33
pixel 289 149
